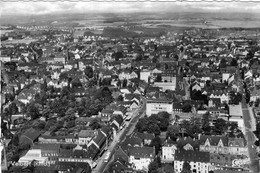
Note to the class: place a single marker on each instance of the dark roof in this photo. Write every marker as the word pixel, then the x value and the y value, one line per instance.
pixel 87 133
pixel 192 156
pixel 99 139
pixel 142 152
pixel 145 136
pixel 132 141
pixel 92 151
pixel 240 142
pixel 181 142
pixel 32 134
pixel 120 165
pixel 177 105
pixel 47 148
pixel 213 140
pixel 106 129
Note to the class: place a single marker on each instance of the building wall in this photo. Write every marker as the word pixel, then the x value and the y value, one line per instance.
pixel 140 163
pixel 225 150
pixel 166 85
pixel 168 153
pixel 84 141
pixel 154 108
pixel 200 167
pixel 144 75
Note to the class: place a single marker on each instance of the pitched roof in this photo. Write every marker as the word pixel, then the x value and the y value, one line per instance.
pixel 87 133
pixel 181 142
pixel 92 151
pixel 239 142
pixel 99 139
pixel 142 152
pixel 145 136
pixel 213 140
pixel 32 134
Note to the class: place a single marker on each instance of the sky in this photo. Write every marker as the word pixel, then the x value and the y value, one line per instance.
pixel 119 6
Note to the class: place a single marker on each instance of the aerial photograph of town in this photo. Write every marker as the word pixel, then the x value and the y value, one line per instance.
pixel 130 87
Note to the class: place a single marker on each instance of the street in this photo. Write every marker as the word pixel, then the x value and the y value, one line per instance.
pixel 249 128
pixel 130 126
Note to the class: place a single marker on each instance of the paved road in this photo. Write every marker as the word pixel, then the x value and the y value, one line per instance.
pixel 130 126
pixel 249 135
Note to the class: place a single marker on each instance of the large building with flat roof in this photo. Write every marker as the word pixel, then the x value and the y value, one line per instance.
pixel 154 106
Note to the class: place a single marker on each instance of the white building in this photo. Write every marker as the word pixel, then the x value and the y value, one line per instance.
pixel 154 106
pixel 144 75
pixel 31 155
pixel 236 115
pixel 168 152
pixel 166 85
pixel 85 136
pixel 141 157
pixel 199 161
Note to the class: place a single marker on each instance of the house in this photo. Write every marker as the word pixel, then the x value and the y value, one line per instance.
pixel 144 75
pixel 143 85
pixel 141 157
pixel 236 115
pixel 48 138
pixel 146 137
pixel 168 151
pixel 154 106
pixel 34 154
pixel 130 105
pixel 120 110
pixel 121 166
pixel 223 145
pixel 255 94
pixel 171 85
pixel 214 102
pixel 177 107
pixel 199 161
pixel 29 137
pixel 213 144
pixel 132 97
pixel 117 122
pixel 106 115
pixel 187 143
pixel 85 136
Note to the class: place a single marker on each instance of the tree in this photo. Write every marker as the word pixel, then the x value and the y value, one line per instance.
pixel 124 83
pixel 186 107
pixel 120 98
pixel 186 168
pixel 153 128
pixel 206 122
pixel 167 168
pixel 173 131
pixel 223 63
pixel 94 124
pixel 118 55
pixel 76 83
pixel 234 62
pixel 89 72
pixel 13 109
pixel 153 166
pixel 33 111
pixel 142 124
pixel 220 125
pixel 157 143
pixel 69 124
